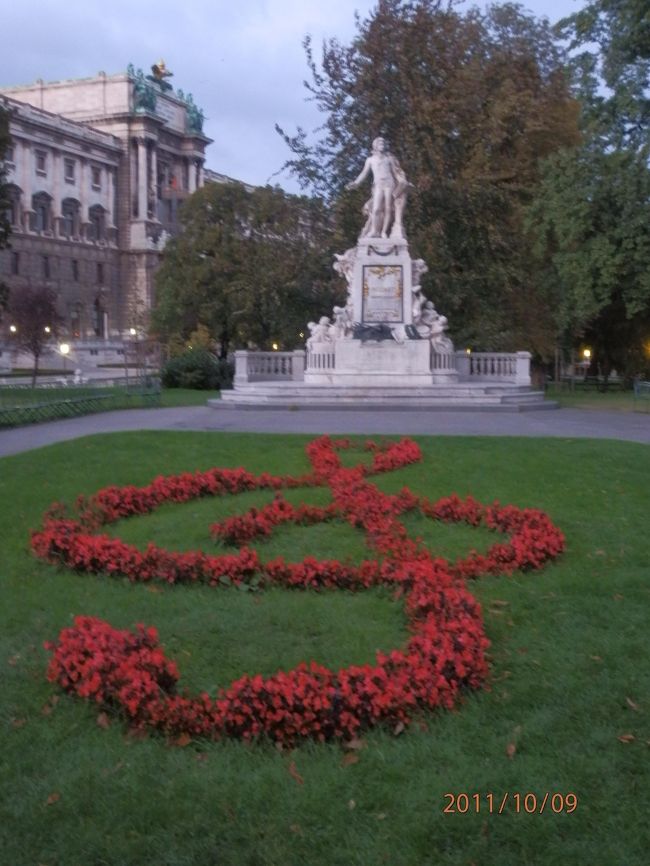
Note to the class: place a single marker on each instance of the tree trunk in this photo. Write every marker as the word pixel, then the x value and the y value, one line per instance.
pixel 35 370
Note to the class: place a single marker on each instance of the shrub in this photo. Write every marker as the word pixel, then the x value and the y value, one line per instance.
pixel 199 369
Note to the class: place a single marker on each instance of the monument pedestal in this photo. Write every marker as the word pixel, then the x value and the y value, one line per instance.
pixel 370 364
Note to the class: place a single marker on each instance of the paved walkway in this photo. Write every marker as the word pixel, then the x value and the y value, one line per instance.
pixel 564 423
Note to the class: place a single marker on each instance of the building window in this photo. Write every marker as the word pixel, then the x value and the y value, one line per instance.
pixel 41 207
pixel 13 211
pixel 68 170
pixel 98 318
pixel 100 273
pixel 75 270
pixel 94 351
pixel 75 320
pixel 70 217
pixel 46 267
pixel 96 177
pixel 41 162
pixel 15 263
pixel 9 155
pixel 96 218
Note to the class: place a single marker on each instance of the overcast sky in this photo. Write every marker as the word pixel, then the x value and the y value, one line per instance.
pixel 242 61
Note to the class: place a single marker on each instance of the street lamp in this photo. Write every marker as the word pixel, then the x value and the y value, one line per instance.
pixel 13 329
pixel 64 348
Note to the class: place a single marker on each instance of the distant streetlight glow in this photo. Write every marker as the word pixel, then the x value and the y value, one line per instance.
pixel 64 348
pixel 13 329
pixel 47 329
pixel 132 331
pixel 586 354
pixel 274 346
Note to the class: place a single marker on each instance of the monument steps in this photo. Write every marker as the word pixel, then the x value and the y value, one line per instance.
pixel 288 395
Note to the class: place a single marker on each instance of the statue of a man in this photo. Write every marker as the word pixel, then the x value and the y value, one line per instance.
pixel 389 187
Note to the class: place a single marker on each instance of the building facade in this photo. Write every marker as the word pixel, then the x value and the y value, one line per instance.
pixel 97 169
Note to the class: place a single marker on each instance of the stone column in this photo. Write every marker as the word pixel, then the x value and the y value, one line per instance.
pixel 142 178
pixel 27 175
pixel 153 184
pixel 193 171
pixel 463 364
pixel 522 376
pixel 84 183
pixel 199 173
pixel 298 365
pixel 241 367
pixel 57 174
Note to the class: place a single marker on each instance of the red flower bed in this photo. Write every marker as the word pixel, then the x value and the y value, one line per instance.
pixel 129 673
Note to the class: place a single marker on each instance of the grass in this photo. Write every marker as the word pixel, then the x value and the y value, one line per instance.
pixel 569 648
pixel 606 401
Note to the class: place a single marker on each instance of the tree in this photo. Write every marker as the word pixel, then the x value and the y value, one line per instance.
pixel 5 226
pixel 252 267
pixel 470 104
pixel 33 313
pixel 592 213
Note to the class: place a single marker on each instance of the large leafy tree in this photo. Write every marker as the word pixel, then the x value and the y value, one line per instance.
pixel 470 104
pixel 251 266
pixel 592 216
pixel 33 313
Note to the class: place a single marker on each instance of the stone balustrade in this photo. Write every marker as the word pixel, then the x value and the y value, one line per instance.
pixel 494 366
pixel 269 366
pixel 511 367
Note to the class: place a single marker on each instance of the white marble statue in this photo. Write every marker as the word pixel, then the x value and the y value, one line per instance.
pixel 320 331
pixel 385 209
pixel 426 320
pixel 341 328
pixel 440 342
pixel 344 264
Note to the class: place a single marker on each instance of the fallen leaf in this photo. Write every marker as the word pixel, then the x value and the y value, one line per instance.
pixel 510 750
pixel 381 816
pixel 618 597
pixel 422 725
pixel 354 744
pixel 296 828
pixel 156 589
pixel 499 602
pixel 182 740
pixel 522 650
pixel 349 759
pixel 201 756
pixel 18 723
pixel 53 798
pixel 600 553
pixel 13 661
pixel 627 738
pixel 596 658
pixel 351 805
pixel 632 705
pixel 103 721
pixel 399 728
pixel 46 710
pixel 293 772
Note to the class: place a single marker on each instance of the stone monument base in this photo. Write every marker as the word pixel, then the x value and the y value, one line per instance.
pixel 372 364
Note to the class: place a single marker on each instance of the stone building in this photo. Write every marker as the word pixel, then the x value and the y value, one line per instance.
pixel 97 169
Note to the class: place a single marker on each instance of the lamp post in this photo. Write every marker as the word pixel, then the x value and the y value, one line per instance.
pixel 64 348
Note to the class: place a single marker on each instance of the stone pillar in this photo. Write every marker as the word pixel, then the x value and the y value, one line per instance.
pixel 84 183
pixel 142 178
pixel 200 179
pixel 193 171
pixel 522 376
pixel 57 175
pixel 298 365
pixel 27 175
pixel 463 364
pixel 241 367
pixel 153 184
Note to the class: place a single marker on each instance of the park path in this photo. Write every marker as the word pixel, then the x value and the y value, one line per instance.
pixel 563 423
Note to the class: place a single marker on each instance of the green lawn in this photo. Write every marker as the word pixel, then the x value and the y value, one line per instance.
pixel 607 401
pixel 569 661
